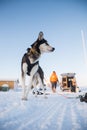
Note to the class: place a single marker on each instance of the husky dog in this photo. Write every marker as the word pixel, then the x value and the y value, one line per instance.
pixel 30 62
pixel 38 78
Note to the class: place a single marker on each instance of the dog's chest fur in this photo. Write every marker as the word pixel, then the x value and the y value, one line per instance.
pixel 31 67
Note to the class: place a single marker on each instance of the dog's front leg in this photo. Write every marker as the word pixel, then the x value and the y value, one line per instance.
pixel 29 86
pixel 23 79
pixel 24 88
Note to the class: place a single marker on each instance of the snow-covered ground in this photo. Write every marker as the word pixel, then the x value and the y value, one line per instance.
pixel 56 112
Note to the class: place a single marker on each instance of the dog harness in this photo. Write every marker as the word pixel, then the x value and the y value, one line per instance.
pixel 30 66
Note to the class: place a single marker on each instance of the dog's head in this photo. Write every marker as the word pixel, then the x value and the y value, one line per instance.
pixel 41 45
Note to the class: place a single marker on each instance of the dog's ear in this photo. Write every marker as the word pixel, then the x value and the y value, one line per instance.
pixel 28 49
pixel 40 36
pixel 32 45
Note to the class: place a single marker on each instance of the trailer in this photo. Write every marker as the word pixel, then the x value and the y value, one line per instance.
pixel 68 82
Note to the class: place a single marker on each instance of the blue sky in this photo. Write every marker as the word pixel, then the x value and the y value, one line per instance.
pixel 60 20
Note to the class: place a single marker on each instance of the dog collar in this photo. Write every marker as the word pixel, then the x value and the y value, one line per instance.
pixel 34 51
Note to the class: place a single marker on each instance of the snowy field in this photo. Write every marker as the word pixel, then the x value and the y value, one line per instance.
pixel 56 112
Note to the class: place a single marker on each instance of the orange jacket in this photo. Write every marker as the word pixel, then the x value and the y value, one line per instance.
pixel 53 77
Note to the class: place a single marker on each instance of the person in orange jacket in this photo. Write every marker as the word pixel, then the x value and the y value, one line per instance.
pixel 54 80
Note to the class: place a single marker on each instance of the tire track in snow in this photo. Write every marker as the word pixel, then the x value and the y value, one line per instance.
pixel 47 121
pixel 14 111
pixel 26 118
pixel 61 118
pixel 80 115
pixel 39 116
pixel 75 118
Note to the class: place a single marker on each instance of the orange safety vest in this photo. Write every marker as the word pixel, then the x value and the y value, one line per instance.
pixel 53 77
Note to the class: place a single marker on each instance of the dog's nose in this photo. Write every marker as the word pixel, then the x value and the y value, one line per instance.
pixel 53 49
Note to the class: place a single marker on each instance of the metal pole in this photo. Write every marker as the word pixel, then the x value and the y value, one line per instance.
pixel 84 47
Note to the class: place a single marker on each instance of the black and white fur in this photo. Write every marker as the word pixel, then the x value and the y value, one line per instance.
pixel 30 63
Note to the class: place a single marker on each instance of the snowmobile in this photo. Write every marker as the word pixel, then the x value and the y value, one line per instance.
pixel 83 98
